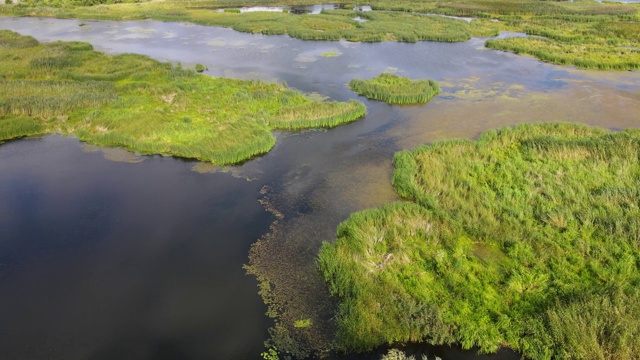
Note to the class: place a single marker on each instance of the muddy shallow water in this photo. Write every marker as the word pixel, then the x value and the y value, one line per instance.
pixel 144 259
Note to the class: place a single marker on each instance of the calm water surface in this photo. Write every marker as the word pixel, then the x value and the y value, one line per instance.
pixel 143 260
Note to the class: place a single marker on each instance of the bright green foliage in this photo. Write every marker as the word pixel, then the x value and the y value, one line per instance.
pixel 301 324
pixel 270 354
pixel 528 238
pixel 600 42
pixel 146 106
pixel 394 89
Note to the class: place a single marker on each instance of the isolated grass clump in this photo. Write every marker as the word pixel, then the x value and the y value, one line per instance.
pixel 394 89
pixel 528 238
pixel 135 102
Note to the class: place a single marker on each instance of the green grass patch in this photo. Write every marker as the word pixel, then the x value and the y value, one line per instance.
pixel 135 102
pixel 301 324
pixel 394 89
pixel 587 55
pixel 528 238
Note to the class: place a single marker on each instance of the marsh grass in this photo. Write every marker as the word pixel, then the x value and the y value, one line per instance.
pixel 13 127
pixel 332 25
pixel 140 104
pixel 589 55
pixel 394 89
pixel 581 33
pixel 323 114
pixel 526 238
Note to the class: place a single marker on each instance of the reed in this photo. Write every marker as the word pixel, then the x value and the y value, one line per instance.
pixel 394 89
pixel 322 114
pixel 585 55
pixel 526 238
pixel 331 25
pixel 604 33
pixel 13 127
pixel 143 105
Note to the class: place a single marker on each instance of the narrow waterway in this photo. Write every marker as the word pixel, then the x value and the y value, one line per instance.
pixel 107 255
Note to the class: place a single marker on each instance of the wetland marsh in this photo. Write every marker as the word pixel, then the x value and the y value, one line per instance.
pixel 310 181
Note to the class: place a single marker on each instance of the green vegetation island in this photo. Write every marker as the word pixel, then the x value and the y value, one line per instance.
pixel 582 33
pixel 146 106
pixel 528 238
pixel 394 89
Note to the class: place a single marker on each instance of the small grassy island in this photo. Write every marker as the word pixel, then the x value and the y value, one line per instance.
pixel 394 89
pixel 528 238
pixel 135 102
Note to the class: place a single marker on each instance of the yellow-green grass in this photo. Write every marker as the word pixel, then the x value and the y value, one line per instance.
pixel 394 89
pixel 135 102
pixel 528 238
pixel 331 53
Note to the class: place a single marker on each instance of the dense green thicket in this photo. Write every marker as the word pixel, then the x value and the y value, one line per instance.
pixel 394 89
pixel 146 106
pixel 528 238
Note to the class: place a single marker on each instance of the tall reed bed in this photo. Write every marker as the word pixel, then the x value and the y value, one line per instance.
pixel 585 55
pixel 12 127
pixel 394 89
pixel 143 105
pixel 323 114
pixel 526 238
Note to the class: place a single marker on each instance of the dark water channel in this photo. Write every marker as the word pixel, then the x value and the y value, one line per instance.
pixel 141 258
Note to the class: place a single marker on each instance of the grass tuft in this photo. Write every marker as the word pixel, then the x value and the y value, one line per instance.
pixel 394 89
